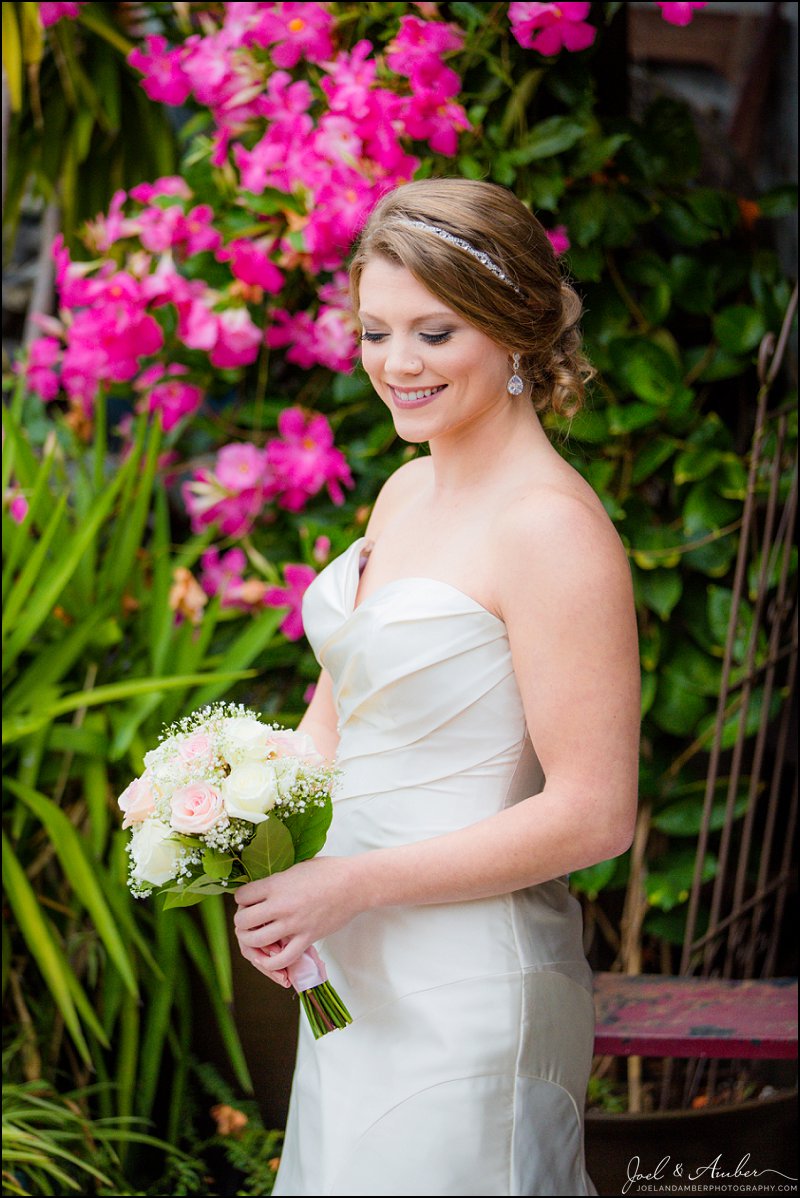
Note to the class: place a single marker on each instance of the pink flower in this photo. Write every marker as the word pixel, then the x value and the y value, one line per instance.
pixel 298 579
pixel 17 507
pixel 679 14
pixel 137 801
pixel 296 31
pixel 196 808
pixel 197 749
pixel 426 118
pixel 198 326
pixel 223 575
pixel 43 356
pixel 321 550
pixel 51 13
pixel 238 339
pixel 327 340
pixel 196 232
pixel 174 399
pixel 550 28
pixel 305 460
pixel 233 496
pixel 110 227
pixel 167 185
pixel 250 263
pixel 288 743
pixel 164 77
pixel 239 467
pixel 419 42
pixel 559 239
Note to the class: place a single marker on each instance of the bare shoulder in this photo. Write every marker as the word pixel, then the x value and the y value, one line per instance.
pixel 399 487
pixel 557 540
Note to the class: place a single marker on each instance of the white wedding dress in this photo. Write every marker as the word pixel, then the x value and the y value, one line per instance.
pixel 464 1071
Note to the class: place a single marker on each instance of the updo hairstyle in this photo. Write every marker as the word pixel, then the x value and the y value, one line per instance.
pixel 540 322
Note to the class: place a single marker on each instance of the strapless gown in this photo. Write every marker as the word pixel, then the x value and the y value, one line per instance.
pixel 464 1071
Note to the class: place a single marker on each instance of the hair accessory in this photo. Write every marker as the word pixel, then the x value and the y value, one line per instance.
pixel 515 385
pixel 462 244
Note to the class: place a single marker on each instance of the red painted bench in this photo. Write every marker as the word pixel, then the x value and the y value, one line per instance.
pixel 653 1015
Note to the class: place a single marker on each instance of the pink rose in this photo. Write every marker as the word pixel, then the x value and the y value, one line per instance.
pixel 196 749
pixel 293 744
pixel 195 808
pixel 137 801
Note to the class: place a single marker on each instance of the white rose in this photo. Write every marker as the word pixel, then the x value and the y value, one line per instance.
pixel 245 739
pixel 287 769
pixel 154 855
pixel 250 791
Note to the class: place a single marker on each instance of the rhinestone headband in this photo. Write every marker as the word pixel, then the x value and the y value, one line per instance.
pixel 462 244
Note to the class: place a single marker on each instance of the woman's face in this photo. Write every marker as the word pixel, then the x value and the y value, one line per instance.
pixel 436 373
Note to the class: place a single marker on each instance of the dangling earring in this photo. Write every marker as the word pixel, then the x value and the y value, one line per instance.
pixel 515 385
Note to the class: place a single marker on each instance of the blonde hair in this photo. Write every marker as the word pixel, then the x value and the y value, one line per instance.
pixel 535 313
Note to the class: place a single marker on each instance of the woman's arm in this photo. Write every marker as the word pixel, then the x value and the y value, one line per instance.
pixel 320 721
pixel 566 596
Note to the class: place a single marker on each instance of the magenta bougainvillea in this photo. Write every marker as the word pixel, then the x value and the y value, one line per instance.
pixel 192 281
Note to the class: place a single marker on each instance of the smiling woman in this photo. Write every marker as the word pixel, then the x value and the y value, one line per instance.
pixel 480 694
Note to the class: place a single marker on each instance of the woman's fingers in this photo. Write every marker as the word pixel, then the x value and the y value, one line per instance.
pixel 260 959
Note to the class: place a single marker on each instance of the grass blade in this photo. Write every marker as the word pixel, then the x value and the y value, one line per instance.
pixel 40 944
pixel 80 873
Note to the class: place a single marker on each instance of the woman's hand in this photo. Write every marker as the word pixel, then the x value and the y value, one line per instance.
pixel 280 916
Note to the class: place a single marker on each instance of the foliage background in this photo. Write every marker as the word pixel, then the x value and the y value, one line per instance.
pixel 106 632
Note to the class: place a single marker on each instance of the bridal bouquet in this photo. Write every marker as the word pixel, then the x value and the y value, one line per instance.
pixel 226 799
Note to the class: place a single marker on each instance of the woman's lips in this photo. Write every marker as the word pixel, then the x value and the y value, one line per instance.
pixel 416 398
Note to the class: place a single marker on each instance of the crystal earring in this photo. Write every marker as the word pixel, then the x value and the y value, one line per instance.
pixel 515 385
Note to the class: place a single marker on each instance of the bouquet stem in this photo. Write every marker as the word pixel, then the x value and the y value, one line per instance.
pixel 324 1009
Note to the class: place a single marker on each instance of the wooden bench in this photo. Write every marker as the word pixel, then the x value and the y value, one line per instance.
pixel 654 1015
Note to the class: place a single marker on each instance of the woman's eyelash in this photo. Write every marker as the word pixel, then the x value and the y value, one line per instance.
pixel 429 338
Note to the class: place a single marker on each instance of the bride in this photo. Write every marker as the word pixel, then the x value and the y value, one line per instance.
pixel 480 692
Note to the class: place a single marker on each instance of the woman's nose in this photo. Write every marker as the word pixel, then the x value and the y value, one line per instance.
pixel 402 358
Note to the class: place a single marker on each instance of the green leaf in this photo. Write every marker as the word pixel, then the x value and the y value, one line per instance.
pixel 549 137
pixel 113 692
pixel 309 829
pixel 685 817
pixel 632 416
pixel 670 884
pixel 651 455
pixel 720 610
pixel 594 878
pixel 270 851
pixel 739 328
pixel 646 369
pixel 46 953
pixel 779 201
pixel 217 864
pixel 659 590
pixel 249 645
pixel 80 873
pixel 215 916
pixel 692 464
pixel 199 954
pixel 677 706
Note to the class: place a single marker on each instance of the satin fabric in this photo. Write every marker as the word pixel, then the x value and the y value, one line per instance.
pixel 464 1071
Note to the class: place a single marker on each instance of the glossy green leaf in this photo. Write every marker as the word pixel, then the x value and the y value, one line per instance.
pixel 593 879
pixel 270 851
pixel 739 328
pixel 659 590
pixel 685 816
pixel 670 884
pixel 646 369
pixel 308 831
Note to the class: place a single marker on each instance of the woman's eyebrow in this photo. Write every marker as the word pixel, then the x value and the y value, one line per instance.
pixel 441 315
